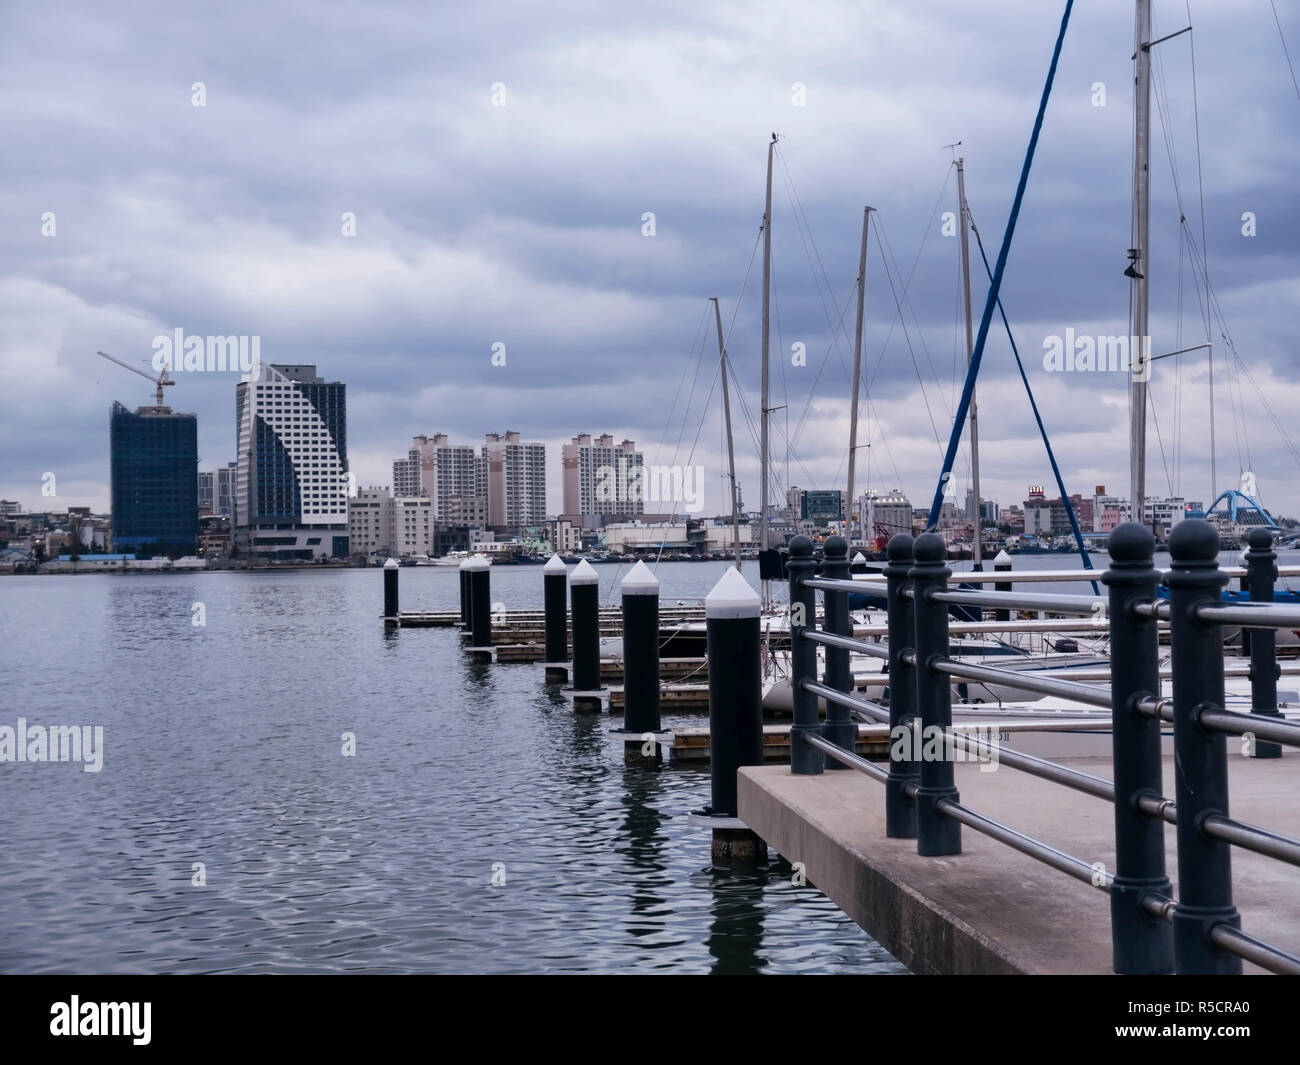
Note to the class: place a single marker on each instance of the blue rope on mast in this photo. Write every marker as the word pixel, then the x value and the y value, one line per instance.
pixel 963 407
pixel 1042 429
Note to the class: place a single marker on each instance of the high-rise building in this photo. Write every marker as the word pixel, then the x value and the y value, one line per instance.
pixel 407 479
pixel 516 482
pixel 154 459
pixel 291 488
pixel 217 490
pixel 599 479
pixel 454 476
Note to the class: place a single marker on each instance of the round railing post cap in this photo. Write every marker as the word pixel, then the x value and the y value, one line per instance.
pixel 1131 542
pixel 835 546
pixel 1259 538
pixel 801 547
pixel 900 547
pixel 1194 540
pixel 929 547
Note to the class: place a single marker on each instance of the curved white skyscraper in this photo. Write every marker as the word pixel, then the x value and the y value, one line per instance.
pixel 291 484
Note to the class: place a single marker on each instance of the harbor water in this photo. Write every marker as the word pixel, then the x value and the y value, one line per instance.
pixel 480 825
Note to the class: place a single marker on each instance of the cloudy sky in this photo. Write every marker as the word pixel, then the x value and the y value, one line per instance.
pixel 499 161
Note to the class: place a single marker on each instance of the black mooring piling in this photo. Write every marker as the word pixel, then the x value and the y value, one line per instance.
pixel 390 592
pixel 463 571
pixel 584 593
pixel 731 612
pixel 640 590
pixel 479 570
pixel 555 590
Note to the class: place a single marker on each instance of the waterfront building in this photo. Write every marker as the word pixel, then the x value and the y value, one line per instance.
pixel 154 456
pixel 516 482
pixel 564 536
pixel 890 512
pixel 822 507
pixel 454 476
pixel 600 484
pixel 408 477
pixel 381 523
pixel 217 490
pixel 291 488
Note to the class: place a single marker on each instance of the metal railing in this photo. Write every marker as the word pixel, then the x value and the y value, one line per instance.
pixel 1151 930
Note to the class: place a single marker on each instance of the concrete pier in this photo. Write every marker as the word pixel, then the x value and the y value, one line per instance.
pixel 991 909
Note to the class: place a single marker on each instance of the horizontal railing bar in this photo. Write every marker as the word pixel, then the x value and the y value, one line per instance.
pixel 1098 625
pixel 1157 609
pixel 1098 787
pixel 1063 604
pixel 833 695
pixel 1153 707
pixel 1261 726
pixel 1059 860
pixel 1159 807
pixel 1248 837
pixel 833 584
pixel 831 639
pixel 1235 941
pixel 1250 615
pixel 1066 689
pixel 1044 576
pixel 846 757
pixel 1159 906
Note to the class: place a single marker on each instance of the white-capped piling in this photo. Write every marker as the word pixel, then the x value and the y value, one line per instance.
pixel 584 594
pixel 1002 564
pixel 463 570
pixel 640 589
pixel 480 607
pixel 731 612
pixel 390 592
pixel 555 591
pixel 859 564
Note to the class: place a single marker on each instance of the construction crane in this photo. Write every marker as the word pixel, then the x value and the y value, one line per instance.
pixel 160 382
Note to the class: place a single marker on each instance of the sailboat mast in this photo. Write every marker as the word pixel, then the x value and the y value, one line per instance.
pixel 857 376
pixel 964 214
pixel 726 416
pixel 1140 355
pixel 765 397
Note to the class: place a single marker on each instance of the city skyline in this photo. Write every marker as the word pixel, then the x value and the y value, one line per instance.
pixel 482 265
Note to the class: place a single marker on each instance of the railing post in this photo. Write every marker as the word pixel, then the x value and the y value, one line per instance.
pixel 555 590
pixel 900 809
pixel 804 758
pixel 1140 943
pixel 731 612
pixel 839 728
pixel 1261 567
pixel 935 833
pixel 480 599
pixel 584 590
pixel 390 592
pixel 1200 756
pixel 640 659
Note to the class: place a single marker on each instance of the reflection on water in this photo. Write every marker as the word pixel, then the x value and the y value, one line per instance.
pixel 479 826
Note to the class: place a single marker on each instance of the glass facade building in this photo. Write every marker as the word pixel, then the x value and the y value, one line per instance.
pixel 154 458
pixel 291 480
